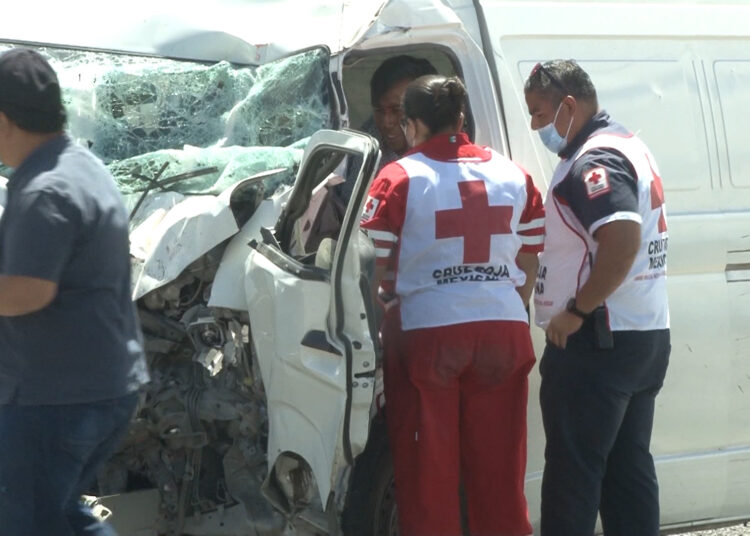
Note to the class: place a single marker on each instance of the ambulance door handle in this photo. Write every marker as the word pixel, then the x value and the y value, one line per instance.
pixel 738 266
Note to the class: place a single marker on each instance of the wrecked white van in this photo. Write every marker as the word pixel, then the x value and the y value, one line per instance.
pixel 232 132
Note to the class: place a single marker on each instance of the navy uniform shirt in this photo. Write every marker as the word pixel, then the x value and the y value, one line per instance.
pixel 613 179
pixel 65 222
pixel 623 196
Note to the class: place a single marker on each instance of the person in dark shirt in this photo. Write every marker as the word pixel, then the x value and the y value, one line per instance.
pixel 601 297
pixel 71 356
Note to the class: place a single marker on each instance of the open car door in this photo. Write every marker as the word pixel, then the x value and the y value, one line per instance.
pixel 308 297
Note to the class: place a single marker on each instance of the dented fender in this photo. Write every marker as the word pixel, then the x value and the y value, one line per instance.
pixel 166 242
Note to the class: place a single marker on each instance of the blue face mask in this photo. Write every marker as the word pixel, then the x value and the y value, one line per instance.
pixel 551 138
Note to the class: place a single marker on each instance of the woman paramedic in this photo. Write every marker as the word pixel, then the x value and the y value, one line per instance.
pixel 457 228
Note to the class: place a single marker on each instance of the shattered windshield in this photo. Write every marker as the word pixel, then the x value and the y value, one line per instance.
pixel 189 127
pixel 196 453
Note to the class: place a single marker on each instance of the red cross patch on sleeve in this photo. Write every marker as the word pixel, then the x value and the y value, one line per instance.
pixel 597 182
pixel 370 207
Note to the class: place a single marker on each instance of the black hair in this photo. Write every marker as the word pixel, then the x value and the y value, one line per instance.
pixel 394 70
pixel 35 121
pixel 438 101
pixel 558 78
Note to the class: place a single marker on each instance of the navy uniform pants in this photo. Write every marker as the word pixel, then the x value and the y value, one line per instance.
pixel 598 412
pixel 49 456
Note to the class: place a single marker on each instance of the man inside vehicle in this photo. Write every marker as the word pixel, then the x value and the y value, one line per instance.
pixel 387 87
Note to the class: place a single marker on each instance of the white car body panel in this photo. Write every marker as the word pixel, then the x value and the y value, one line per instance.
pixel 305 390
pixel 664 81
pixel 164 244
pixel 231 274
pixel 406 23
pixel 200 222
pixel 3 194
pixel 238 31
pixel 307 387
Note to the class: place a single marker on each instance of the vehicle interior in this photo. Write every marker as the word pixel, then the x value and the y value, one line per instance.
pixel 309 228
pixel 359 67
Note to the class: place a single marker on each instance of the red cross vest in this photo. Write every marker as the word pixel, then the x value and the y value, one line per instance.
pixel 640 302
pixel 459 241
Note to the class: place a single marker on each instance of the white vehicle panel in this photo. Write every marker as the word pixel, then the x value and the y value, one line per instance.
pixel 3 194
pixel 310 326
pixel 170 239
pixel 668 84
pixel 231 274
pixel 404 23
pixel 305 390
pixel 233 30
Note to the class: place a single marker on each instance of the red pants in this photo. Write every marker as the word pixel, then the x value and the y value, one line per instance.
pixel 456 411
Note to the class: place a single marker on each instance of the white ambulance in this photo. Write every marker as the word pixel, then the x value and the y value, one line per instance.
pixel 227 123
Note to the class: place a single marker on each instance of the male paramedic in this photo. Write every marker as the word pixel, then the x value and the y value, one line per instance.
pixel 71 359
pixel 460 226
pixel 601 297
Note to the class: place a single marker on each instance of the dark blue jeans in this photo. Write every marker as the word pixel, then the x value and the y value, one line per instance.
pixel 598 412
pixel 49 455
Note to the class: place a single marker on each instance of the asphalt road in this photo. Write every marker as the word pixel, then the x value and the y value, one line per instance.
pixel 736 530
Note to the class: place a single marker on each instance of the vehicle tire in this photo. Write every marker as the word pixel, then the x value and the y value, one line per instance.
pixel 370 508
pixel 385 513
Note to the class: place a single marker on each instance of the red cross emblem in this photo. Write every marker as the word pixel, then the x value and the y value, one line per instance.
pixel 370 207
pixel 597 182
pixel 476 221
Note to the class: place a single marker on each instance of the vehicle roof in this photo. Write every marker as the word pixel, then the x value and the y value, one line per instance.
pixel 665 18
pixel 239 31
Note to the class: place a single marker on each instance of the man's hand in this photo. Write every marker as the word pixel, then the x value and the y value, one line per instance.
pixel 618 246
pixel 562 325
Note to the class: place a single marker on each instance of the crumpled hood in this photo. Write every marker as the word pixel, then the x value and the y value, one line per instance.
pixel 239 31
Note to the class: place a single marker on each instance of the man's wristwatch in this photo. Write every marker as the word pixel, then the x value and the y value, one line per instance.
pixel 571 308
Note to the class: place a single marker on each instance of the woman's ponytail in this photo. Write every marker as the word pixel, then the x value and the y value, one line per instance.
pixel 438 101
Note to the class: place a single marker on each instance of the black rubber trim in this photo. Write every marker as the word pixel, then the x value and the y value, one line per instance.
pixel 345 236
pixel 339 92
pixel 364 287
pixel 289 265
pixel 323 161
pixel 317 339
pixel 373 322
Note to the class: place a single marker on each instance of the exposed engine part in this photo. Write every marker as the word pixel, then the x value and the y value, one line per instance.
pixel 200 433
pixel 99 511
pixel 190 288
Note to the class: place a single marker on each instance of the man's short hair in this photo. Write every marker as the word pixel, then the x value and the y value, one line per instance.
pixel 30 92
pixel 394 70
pixel 557 78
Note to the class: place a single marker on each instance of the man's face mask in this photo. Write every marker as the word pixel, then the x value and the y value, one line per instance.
pixel 551 138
